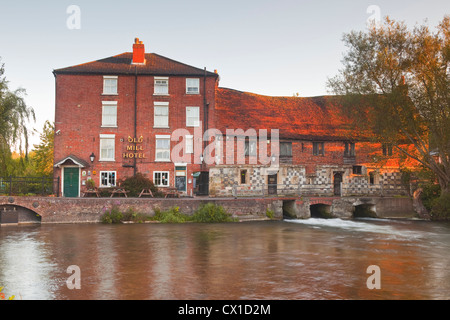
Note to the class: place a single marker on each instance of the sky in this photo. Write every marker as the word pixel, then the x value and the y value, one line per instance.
pixel 269 47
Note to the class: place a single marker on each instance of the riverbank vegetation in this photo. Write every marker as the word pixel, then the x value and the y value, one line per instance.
pixel 207 213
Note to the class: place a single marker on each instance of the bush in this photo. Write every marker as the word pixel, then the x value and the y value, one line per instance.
pixel 441 207
pixel 430 193
pixel 112 216
pixel 212 213
pixel 171 216
pixel 134 185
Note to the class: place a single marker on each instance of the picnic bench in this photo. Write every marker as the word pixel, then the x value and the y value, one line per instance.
pixel 119 191
pixel 146 192
pixel 91 191
pixel 171 192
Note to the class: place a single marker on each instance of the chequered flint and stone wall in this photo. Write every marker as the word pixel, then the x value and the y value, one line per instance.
pixel 225 181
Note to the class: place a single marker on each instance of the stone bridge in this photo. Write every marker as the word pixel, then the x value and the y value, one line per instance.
pixel 78 210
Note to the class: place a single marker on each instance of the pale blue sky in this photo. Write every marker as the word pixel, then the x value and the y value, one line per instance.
pixel 268 47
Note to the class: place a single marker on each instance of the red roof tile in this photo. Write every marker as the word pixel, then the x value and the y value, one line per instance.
pixel 315 118
pixel 121 64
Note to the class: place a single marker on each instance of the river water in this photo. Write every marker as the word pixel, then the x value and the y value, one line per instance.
pixel 295 259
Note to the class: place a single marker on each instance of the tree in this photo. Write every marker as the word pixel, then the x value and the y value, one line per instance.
pixel 14 117
pixel 396 85
pixel 43 152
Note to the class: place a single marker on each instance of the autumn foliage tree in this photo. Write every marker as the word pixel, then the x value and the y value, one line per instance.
pixel 395 83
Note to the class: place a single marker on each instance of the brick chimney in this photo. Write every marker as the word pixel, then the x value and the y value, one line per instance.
pixel 138 52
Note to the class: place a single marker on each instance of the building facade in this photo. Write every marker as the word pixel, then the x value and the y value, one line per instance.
pixel 142 112
pixel 117 116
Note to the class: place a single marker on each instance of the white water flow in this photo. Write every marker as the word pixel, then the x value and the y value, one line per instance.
pixel 395 229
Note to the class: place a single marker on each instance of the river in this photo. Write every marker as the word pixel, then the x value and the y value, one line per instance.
pixel 289 260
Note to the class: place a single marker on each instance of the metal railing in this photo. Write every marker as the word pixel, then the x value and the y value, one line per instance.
pixel 24 186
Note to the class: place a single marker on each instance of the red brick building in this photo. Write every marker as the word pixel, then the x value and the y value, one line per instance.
pixel 115 117
pixel 132 112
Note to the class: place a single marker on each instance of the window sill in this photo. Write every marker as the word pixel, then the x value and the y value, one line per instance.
pixel 159 160
pixel 108 126
pixel 162 94
pixel 107 160
pixel 161 127
pixel 110 94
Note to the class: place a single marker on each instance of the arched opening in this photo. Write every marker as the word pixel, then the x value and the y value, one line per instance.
pixel 365 210
pixel 289 209
pixel 12 214
pixel 320 210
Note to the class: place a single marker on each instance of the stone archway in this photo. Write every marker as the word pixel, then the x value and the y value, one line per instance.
pixel 15 214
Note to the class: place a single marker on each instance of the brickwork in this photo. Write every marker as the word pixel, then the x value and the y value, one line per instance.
pixel 78 121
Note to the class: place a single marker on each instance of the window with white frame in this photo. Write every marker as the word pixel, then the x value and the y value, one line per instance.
pixel 107 147
pixel 161 178
pixel 108 179
pixel 161 86
pixel 110 84
pixel 109 114
pixel 192 116
pixel 161 115
pixel 192 86
pixel 162 148
pixel 189 144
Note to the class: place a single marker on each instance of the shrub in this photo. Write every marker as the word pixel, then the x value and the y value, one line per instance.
pixel 430 193
pixel 270 214
pixel 90 184
pixel 112 216
pixel 441 207
pixel 171 216
pixel 134 185
pixel 210 212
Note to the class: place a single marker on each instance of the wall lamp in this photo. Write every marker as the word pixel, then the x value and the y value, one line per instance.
pixel 92 157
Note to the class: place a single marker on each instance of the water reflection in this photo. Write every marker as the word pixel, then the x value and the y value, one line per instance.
pixel 313 259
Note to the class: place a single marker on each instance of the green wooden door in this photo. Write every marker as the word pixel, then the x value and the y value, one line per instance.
pixel 71 182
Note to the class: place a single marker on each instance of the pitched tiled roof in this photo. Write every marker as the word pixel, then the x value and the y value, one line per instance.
pixel 316 118
pixel 121 64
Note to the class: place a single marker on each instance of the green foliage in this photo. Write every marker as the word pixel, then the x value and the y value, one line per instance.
pixel 430 193
pixel 14 118
pixel 42 156
pixel 90 183
pixel 137 183
pixel 114 215
pixel 210 212
pixel 441 207
pixel 171 216
pixel 270 213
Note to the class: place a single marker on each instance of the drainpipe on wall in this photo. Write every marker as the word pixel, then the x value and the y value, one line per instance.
pixel 205 117
pixel 135 119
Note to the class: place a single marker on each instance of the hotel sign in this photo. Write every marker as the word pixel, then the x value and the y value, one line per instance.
pixel 134 148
